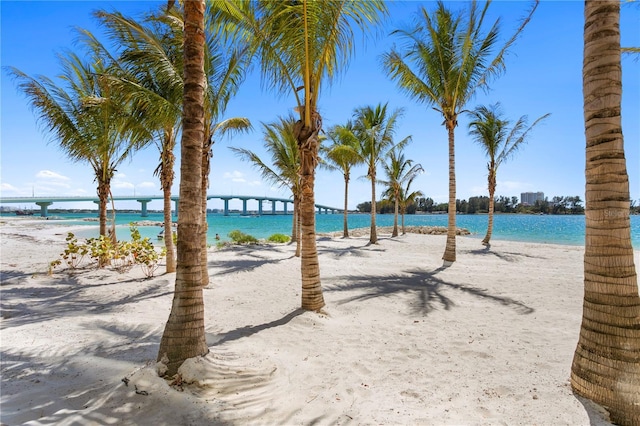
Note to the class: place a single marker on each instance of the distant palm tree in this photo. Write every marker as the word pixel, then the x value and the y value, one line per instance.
pixel 606 364
pixel 492 133
pixel 280 141
pixel 375 128
pixel 90 120
pixel 408 197
pixel 303 46
pixel 398 171
pixel 342 155
pixel 184 336
pixel 447 59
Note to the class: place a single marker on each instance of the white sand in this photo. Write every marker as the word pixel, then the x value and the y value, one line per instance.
pixel 487 341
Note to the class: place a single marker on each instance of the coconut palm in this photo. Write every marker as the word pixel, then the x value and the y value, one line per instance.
pixel 375 128
pixel 280 141
pixel 342 155
pixel 398 171
pixel 150 75
pixel 447 59
pixel 184 336
pixel 302 46
pixel 89 119
pixel 606 364
pixel 499 142
pixel 408 197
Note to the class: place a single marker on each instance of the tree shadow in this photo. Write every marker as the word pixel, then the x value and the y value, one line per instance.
pixel 598 415
pixel 508 256
pixel 249 330
pixel 69 298
pixel 428 289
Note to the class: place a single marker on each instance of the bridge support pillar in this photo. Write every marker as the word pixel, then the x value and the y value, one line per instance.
pixel 259 207
pixel 285 206
pixel 176 203
pixel 143 208
pixel 244 206
pixel 226 206
pixel 273 207
pixel 43 207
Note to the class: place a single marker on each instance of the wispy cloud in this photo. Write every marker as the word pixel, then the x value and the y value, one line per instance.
pixel 234 176
pixel 51 176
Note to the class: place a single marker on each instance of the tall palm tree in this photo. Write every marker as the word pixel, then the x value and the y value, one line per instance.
pixel 447 59
pixel 606 364
pixel 342 155
pixel 150 75
pixel 302 46
pixel 89 119
pixel 184 335
pixel 492 133
pixel 280 141
pixel 375 128
pixel 398 171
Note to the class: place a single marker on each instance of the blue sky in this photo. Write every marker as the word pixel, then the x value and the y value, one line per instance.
pixel 543 76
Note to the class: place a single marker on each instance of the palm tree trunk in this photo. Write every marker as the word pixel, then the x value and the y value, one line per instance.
pixel 103 196
pixel 312 298
pixel 183 335
pixel 167 161
pixel 403 211
pixel 606 364
pixel 373 233
pixel 168 231
pixel 206 166
pixel 449 255
pixel 395 219
pixel 295 231
pixel 345 225
pixel 492 191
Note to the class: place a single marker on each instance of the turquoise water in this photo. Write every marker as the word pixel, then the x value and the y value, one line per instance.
pixel 554 229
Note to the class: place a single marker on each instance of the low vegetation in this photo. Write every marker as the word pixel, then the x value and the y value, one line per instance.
pixel 103 251
pixel 279 238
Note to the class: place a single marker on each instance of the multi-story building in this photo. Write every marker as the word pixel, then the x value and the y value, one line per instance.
pixel 530 198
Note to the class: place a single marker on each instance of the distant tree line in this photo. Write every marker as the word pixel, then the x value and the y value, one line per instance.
pixel 480 204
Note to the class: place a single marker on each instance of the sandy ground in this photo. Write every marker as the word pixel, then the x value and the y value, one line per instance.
pixel 404 341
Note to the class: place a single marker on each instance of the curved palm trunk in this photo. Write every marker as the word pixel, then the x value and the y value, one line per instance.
pixel 449 255
pixel 492 191
pixel 312 298
pixel 166 180
pixel 295 231
pixel 373 233
pixel 206 167
pixel 395 219
pixel 183 335
pixel 345 225
pixel 404 208
pixel 606 364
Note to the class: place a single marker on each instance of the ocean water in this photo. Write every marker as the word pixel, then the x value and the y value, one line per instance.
pixel 555 229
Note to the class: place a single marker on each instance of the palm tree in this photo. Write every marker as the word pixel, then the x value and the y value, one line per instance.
pixel 606 364
pixel 184 335
pixel 374 128
pixel 408 197
pixel 398 171
pixel 342 155
pixel 491 132
pixel 303 45
pixel 280 141
pixel 150 75
pixel 447 60
pixel 90 120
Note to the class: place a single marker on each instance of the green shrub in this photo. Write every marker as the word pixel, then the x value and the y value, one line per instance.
pixel 279 238
pixel 242 238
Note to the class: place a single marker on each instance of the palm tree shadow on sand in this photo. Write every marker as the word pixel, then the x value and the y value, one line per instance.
pixel 429 290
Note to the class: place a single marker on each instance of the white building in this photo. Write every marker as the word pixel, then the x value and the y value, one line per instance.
pixel 530 198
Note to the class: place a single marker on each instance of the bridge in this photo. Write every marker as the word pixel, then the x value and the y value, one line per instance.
pixel 45 202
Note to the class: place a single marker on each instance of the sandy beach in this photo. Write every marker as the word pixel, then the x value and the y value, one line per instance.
pixel 403 341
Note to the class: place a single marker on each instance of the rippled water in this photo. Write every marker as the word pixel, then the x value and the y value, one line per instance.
pixel 529 228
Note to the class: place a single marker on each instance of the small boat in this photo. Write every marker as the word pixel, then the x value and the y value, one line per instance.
pixel 24 213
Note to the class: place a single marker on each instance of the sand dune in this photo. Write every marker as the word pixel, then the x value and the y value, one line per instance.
pixel 403 341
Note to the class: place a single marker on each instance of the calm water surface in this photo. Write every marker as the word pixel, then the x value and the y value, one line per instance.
pixel 554 229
